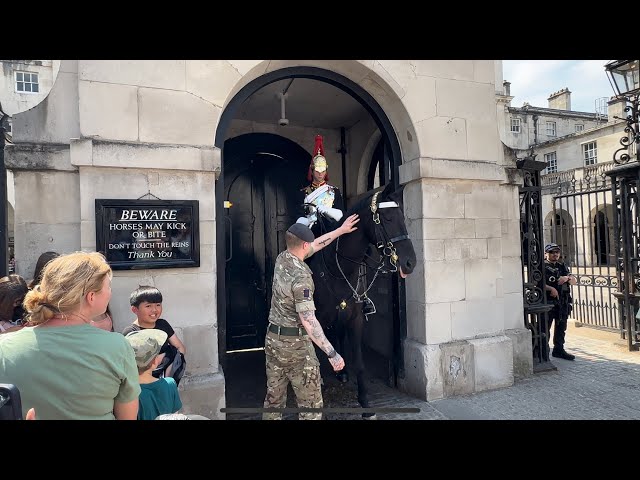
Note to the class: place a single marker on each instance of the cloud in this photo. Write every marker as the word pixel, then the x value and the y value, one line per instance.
pixel 534 80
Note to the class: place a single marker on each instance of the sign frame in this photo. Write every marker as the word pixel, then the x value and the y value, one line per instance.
pixel 103 233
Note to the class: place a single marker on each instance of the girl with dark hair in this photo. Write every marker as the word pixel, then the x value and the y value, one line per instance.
pixel 12 291
pixel 43 259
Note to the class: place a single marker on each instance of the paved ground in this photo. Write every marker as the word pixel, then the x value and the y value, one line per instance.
pixel 602 383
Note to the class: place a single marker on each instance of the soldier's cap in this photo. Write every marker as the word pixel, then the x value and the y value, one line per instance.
pixel 146 344
pixel 302 232
pixel 551 246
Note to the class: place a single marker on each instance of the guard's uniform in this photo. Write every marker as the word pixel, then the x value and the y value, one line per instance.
pixel 561 305
pixel 320 194
pixel 290 355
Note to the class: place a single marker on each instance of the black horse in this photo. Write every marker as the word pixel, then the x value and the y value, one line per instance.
pixel 340 278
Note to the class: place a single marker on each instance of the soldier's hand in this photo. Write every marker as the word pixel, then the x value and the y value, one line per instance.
pixel 554 292
pixel 563 279
pixel 349 224
pixel 337 362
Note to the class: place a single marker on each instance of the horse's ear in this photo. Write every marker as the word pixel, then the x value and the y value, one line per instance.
pixel 388 190
pixel 395 195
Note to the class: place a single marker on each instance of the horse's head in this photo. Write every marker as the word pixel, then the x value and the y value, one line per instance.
pixel 383 224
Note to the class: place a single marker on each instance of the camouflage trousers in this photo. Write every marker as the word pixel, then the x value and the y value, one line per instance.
pixel 292 359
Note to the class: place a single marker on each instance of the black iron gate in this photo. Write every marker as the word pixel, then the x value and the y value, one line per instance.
pixel 536 308
pixel 580 217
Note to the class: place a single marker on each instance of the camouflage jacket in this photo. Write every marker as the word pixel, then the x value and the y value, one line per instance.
pixel 292 290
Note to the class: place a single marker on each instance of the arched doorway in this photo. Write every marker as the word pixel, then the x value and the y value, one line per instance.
pixel 243 286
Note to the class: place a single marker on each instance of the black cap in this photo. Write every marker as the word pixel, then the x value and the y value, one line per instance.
pixel 302 232
pixel 551 246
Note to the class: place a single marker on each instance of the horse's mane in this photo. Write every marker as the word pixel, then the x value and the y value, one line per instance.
pixel 364 202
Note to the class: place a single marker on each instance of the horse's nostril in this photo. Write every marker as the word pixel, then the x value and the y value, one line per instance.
pixel 409 264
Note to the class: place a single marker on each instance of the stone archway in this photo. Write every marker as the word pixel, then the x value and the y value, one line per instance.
pixel 387 132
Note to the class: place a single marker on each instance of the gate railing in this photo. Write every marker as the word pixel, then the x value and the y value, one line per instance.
pixel 625 189
pixel 580 218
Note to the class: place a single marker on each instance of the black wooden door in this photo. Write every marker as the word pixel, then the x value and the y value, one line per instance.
pixel 245 269
pixel 263 176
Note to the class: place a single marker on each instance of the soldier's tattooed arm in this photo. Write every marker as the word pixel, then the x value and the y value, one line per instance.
pixel 315 332
pixel 322 241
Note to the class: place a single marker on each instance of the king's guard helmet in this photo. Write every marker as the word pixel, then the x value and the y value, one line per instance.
pixel 318 162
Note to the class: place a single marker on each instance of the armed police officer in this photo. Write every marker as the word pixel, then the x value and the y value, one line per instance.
pixel 320 197
pixel 558 280
pixel 293 326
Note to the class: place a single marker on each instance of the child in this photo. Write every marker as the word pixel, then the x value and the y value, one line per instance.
pixel 146 304
pixel 158 396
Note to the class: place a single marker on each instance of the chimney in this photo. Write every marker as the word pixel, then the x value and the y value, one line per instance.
pixel 616 108
pixel 507 88
pixel 560 100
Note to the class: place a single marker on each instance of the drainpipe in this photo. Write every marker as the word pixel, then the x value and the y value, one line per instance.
pixel 343 152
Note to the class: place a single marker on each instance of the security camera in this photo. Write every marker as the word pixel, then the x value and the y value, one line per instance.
pixel 283 122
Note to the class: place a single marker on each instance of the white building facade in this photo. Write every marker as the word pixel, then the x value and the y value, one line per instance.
pixel 126 129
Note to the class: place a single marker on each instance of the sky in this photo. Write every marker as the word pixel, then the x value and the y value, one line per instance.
pixel 534 80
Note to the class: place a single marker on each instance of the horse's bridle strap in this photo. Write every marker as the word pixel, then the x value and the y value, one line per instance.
pixel 398 238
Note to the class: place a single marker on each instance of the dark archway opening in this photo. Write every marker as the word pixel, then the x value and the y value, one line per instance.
pixel 254 168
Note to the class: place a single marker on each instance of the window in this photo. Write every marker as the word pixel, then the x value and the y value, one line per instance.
pixel 590 151
pixel 551 129
pixel 27 82
pixel 552 162
pixel 579 128
pixel 515 125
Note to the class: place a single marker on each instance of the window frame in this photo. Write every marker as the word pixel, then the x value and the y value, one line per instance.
pixel 551 159
pixel 515 122
pixel 580 129
pixel 30 82
pixel 553 127
pixel 589 153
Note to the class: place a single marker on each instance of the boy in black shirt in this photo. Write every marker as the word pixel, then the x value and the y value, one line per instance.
pixel 146 304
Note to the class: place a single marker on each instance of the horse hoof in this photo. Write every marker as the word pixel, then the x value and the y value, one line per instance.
pixel 342 376
pixel 369 416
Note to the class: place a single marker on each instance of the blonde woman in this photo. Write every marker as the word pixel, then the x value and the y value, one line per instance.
pixel 63 366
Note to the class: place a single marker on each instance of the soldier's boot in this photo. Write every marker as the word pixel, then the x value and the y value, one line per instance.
pixel 562 354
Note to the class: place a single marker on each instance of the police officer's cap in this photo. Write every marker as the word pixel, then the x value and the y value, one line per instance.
pixel 551 246
pixel 302 232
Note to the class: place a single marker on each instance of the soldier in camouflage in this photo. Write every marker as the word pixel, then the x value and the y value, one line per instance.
pixel 293 326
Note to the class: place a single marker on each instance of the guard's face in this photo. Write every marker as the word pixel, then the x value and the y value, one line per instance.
pixel 553 256
pixel 319 176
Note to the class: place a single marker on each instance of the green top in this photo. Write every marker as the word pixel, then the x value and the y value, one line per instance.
pixel 71 372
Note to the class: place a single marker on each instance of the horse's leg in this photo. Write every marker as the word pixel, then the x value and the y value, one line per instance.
pixel 357 330
pixel 340 333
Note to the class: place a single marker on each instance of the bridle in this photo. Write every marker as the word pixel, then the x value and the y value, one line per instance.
pixel 383 243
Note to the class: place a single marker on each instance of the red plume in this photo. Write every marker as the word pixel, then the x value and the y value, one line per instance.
pixel 318 149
